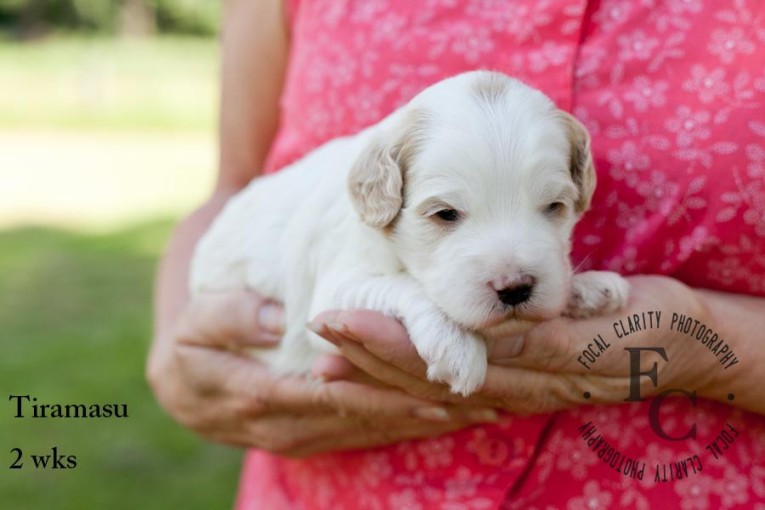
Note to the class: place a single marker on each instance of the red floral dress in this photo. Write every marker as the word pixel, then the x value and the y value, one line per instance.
pixel 673 92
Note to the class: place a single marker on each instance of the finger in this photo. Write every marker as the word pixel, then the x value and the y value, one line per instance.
pixel 194 388
pixel 209 370
pixel 271 318
pixel 573 346
pixel 375 403
pixel 257 392
pixel 269 417
pixel 330 367
pixel 552 346
pixel 348 398
pixel 231 320
pixel 388 373
pixel 327 325
pixel 529 391
pixel 335 367
pixel 384 337
pixel 504 348
pixel 225 411
pixel 284 433
pixel 393 376
pixel 277 433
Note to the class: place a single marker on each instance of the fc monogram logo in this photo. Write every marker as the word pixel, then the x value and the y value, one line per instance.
pixel 653 374
pixel 646 366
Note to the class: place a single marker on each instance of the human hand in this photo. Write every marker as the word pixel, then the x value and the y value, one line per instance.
pixel 537 372
pixel 205 379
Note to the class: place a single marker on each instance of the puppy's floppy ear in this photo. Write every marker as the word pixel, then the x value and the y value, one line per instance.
pixel 376 180
pixel 581 165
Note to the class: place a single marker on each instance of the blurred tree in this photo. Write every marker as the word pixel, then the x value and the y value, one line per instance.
pixel 199 17
pixel 32 18
pixel 137 18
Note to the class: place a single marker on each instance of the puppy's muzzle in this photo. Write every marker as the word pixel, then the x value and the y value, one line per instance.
pixel 514 290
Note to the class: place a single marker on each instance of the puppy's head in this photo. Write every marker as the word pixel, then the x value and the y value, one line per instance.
pixel 478 183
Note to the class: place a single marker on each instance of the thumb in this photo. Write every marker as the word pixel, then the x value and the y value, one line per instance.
pixel 271 318
pixel 231 319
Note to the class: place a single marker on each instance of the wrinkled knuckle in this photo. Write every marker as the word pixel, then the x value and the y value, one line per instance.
pixel 442 393
pixel 366 421
pixel 526 393
pixel 435 391
pixel 323 396
pixel 386 435
pixel 558 341
pixel 253 403
pixel 571 389
pixel 579 385
pixel 183 355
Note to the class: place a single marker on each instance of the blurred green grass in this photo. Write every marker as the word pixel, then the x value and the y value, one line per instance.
pixel 166 83
pixel 75 307
pixel 75 326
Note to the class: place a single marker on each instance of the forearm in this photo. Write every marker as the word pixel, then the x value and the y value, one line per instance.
pixel 740 321
pixel 171 286
pixel 254 59
pixel 254 52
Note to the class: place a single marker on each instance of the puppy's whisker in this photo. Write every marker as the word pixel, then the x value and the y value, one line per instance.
pixel 582 262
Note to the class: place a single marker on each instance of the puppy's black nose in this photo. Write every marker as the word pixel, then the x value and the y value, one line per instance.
pixel 515 295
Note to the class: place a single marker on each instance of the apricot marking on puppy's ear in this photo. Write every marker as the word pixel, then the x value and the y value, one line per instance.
pixel 580 164
pixel 375 184
pixel 376 180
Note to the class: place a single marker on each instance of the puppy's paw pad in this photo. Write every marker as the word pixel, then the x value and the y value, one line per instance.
pixel 596 293
pixel 458 360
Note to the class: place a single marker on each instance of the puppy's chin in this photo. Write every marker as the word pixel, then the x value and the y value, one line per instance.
pixel 486 319
pixel 525 314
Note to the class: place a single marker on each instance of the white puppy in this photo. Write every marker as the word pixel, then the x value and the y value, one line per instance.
pixel 453 214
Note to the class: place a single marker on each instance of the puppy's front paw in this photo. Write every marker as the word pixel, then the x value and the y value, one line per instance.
pixel 596 293
pixel 455 357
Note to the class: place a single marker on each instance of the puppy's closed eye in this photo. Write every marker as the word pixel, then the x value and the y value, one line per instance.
pixel 440 211
pixel 448 215
pixel 555 209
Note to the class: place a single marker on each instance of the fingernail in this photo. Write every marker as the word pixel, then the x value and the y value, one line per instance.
pixel 271 318
pixel 483 415
pixel 322 332
pixel 316 328
pixel 337 327
pixel 432 413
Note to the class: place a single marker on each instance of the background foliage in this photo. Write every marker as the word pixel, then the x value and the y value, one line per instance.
pixel 105 141
pixel 76 318
pixel 32 18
